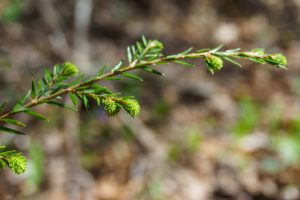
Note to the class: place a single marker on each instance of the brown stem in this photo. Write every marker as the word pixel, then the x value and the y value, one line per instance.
pixel 130 67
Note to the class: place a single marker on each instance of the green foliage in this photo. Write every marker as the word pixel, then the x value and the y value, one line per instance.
pixel 160 109
pixel 10 130
pixel 13 11
pixel 36 163
pixel 285 141
pixel 66 80
pixel 248 117
pixel 145 50
pixel 288 148
pixel 13 159
pixel 186 146
pixel 259 56
pixel 283 134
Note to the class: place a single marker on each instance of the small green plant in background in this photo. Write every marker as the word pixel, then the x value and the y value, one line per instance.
pixel 248 119
pixel 286 142
pixel 282 134
pixel 187 145
pixel 36 163
pixel 65 80
pixel 12 11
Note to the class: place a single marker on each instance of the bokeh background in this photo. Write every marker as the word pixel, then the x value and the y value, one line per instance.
pixel 234 135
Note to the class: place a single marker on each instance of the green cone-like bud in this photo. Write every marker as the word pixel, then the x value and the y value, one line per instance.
pixel 110 105
pixel 131 106
pixel 213 63
pixel 279 60
pixel 156 44
pixel 69 69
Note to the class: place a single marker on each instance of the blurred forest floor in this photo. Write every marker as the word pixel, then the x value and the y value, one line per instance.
pixel 234 135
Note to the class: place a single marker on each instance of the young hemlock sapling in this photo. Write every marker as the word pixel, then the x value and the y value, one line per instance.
pixel 65 80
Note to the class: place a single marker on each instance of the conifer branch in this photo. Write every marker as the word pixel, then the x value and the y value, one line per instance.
pixel 144 55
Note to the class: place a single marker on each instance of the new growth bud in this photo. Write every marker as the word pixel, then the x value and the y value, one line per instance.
pixel 69 69
pixel 17 163
pixel 156 44
pixel 132 106
pixel 110 105
pixel 213 63
pixel 280 60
